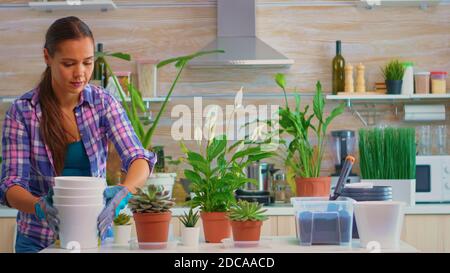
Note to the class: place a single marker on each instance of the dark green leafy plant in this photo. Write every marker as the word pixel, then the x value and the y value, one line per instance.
pixel 190 219
pixel 122 219
pixel 304 157
pixel 137 103
pixel 247 211
pixel 214 178
pixel 154 200
pixel 388 153
pixel 394 70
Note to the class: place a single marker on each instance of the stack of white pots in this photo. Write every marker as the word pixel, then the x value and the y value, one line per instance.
pixel 79 201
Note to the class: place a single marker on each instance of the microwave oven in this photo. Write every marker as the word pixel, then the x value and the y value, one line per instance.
pixel 432 178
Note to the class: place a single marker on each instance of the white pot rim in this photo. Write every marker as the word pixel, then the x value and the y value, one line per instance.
pixel 83 206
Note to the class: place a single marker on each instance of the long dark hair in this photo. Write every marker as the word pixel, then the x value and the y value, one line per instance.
pixel 51 130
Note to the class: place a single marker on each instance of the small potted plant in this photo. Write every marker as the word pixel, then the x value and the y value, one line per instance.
pixel 393 76
pixel 246 220
pixel 152 215
pixel 214 179
pixel 190 233
pixel 388 158
pixel 122 229
pixel 305 154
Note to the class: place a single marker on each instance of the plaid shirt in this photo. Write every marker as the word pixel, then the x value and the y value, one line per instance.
pixel 27 161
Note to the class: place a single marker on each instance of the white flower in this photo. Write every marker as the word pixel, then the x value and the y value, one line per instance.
pixel 198 135
pixel 257 133
pixel 238 99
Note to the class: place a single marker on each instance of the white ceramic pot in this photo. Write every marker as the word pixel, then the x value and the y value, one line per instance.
pixel 78 200
pixel 403 190
pixel 78 225
pixel 122 234
pixel 58 191
pixel 190 236
pixel 167 180
pixel 79 182
pixel 379 223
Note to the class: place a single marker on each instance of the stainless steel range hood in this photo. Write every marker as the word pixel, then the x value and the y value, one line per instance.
pixel 236 35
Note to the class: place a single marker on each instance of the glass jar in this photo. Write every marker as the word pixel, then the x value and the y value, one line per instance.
pixel 422 82
pixel 438 79
pixel 279 187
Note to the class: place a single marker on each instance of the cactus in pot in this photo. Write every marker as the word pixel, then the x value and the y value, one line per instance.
pixel 122 228
pixel 246 220
pixel 152 214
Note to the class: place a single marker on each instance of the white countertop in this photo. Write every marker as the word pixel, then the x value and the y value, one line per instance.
pixel 285 209
pixel 269 244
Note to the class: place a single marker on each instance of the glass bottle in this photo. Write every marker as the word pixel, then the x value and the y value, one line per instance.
pixel 338 72
pixel 100 76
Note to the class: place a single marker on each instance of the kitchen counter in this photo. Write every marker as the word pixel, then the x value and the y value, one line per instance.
pixel 286 209
pixel 269 244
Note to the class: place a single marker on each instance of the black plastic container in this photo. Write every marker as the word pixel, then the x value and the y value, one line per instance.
pixel 394 87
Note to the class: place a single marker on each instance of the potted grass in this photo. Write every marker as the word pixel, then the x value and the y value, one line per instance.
pixel 152 215
pixel 246 221
pixel 393 76
pixel 304 153
pixel 134 112
pixel 217 172
pixel 388 158
pixel 190 233
pixel 122 228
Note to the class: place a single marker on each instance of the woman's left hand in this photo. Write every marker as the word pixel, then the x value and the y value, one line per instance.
pixel 116 199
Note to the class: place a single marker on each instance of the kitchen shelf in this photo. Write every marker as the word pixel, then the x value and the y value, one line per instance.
pixel 364 107
pixel 102 5
pixel 147 101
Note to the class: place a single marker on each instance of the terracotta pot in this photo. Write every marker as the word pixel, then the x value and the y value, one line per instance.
pixel 318 186
pixel 216 226
pixel 152 227
pixel 246 230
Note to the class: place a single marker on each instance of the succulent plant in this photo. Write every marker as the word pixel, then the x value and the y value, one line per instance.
pixel 247 211
pixel 122 219
pixel 154 200
pixel 190 219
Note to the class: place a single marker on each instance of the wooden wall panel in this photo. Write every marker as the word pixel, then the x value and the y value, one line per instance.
pixel 304 33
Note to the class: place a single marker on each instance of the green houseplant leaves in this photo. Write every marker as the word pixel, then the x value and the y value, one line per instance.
pixel 214 178
pixel 304 157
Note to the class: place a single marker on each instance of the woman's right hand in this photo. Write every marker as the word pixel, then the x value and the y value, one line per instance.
pixel 44 210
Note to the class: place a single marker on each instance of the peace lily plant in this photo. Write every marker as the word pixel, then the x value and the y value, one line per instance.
pixel 217 171
pixel 305 154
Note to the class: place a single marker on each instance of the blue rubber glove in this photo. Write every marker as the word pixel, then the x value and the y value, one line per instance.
pixel 116 199
pixel 44 210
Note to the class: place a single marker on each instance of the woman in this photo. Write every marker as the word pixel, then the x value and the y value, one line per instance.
pixel 61 128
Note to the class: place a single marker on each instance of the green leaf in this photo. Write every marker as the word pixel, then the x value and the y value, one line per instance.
pixel 246 152
pixel 334 113
pixel 280 80
pixel 234 145
pixel 193 176
pixel 256 157
pixel 217 146
pixel 318 102
pixel 120 55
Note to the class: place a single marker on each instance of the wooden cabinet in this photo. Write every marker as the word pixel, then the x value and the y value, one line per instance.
pixel 7 231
